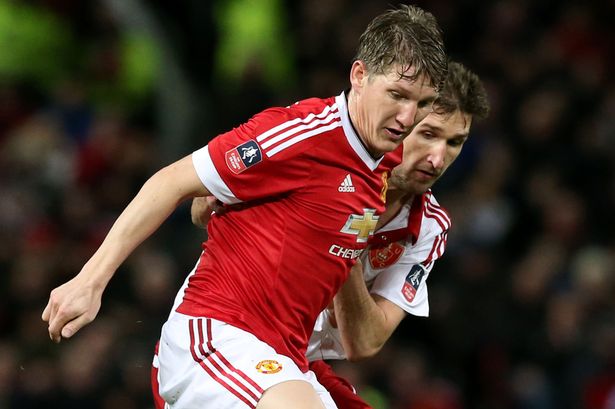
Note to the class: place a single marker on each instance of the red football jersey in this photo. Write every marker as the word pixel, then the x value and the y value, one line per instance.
pixel 305 197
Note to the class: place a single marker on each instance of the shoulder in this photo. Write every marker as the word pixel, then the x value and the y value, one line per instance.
pixel 434 215
pixel 279 128
pixel 275 129
pixel 303 111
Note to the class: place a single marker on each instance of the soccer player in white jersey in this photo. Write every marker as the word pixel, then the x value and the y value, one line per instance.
pixel 391 279
pixel 238 336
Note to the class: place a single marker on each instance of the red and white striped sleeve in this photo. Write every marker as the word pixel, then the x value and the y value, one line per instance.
pixel 263 157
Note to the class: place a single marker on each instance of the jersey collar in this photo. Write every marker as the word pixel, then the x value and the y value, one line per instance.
pixel 351 134
pixel 412 230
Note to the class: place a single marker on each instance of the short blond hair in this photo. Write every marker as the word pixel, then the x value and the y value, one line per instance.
pixel 408 37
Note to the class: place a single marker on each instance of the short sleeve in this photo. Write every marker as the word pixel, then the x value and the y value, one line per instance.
pixel 405 282
pixel 235 166
pixel 405 286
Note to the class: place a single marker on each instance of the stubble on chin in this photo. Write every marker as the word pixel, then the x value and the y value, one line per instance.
pixel 398 181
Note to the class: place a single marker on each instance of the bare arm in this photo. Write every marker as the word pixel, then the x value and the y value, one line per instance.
pixel 76 303
pixel 365 321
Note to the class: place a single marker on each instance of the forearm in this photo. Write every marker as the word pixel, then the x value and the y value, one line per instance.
pixel 156 200
pixel 362 323
pixel 76 303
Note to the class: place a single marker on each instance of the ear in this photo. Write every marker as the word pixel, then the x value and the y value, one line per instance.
pixel 358 74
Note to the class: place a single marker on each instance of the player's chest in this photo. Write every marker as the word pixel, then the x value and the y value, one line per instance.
pixel 385 256
pixel 343 203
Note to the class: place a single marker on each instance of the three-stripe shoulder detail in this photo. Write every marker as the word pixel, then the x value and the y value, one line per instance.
pixel 433 210
pixel 296 130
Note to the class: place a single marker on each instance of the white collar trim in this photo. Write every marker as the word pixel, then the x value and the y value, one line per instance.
pixel 351 135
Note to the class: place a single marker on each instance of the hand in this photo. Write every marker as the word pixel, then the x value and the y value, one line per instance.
pixel 71 306
pixel 202 208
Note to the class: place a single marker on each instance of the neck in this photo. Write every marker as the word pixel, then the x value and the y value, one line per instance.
pixel 396 199
pixel 357 124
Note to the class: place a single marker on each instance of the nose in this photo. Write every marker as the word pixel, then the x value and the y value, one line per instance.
pixel 407 115
pixel 437 154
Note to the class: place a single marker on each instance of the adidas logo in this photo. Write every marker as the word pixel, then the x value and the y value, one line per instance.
pixel 346 185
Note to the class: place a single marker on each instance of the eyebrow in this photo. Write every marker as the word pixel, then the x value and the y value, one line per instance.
pixel 400 87
pixel 433 127
pixel 461 135
pixel 430 98
pixel 436 128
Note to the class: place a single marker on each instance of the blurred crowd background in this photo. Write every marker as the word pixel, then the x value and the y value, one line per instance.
pixel 97 95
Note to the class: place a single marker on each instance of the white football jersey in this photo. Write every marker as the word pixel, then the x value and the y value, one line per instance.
pixel 395 266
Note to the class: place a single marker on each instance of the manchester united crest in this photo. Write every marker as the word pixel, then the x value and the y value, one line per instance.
pixel 382 257
pixel 269 366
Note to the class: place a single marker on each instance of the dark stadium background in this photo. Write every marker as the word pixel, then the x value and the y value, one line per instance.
pixel 97 95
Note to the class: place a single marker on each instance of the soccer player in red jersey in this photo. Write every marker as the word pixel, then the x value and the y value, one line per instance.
pixel 391 279
pixel 308 182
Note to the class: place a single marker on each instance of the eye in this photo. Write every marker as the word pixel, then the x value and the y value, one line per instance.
pixel 456 142
pixel 426 103
pixel 428 135
pixel 395 95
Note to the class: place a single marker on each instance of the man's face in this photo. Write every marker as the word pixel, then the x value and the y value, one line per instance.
pixel 429 150
pixel 388 106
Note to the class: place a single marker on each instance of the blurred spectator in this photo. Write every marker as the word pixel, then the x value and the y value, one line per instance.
pixel 523 303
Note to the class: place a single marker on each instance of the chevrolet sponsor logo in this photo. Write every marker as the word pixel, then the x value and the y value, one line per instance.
pixel 363 225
